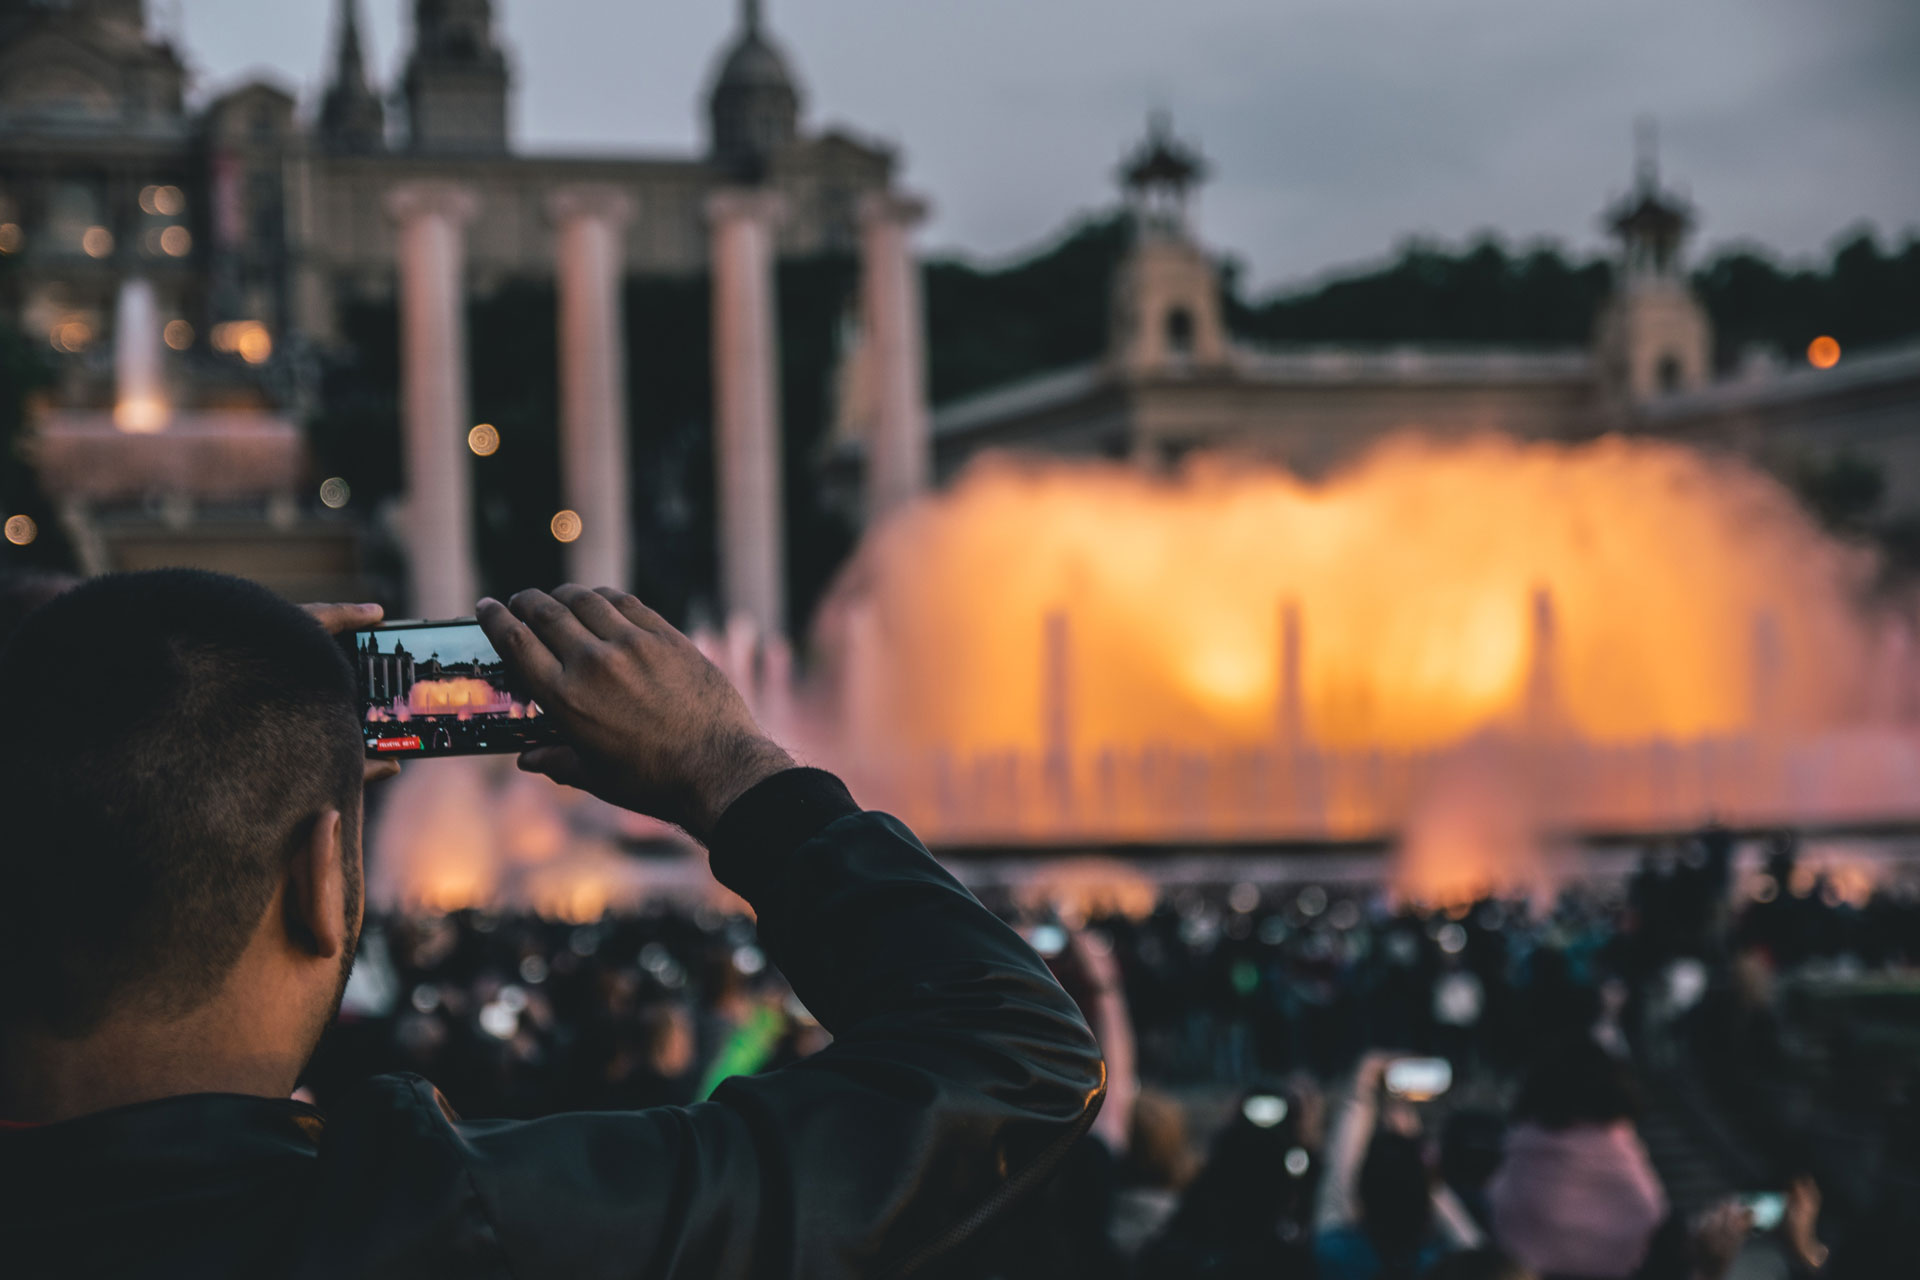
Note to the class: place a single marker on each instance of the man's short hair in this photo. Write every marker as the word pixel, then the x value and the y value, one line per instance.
pixel 169 739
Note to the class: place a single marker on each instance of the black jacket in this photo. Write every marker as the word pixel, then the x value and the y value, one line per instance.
pixel 959 1074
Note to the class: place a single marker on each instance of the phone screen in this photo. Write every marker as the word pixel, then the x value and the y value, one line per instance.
pixel 1419 1079
pixel 1767 1208
pixel 439 689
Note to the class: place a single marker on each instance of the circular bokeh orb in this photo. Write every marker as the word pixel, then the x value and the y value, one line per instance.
pixel 21 530
pixel 484 439
pixel 1823 352
pixel 334 491
pixel 565 525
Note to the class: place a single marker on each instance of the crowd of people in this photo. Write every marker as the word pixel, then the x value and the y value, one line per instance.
pixel 1250 1128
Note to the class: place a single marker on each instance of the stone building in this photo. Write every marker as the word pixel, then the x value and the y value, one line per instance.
pixel 1173 379
pixel 242 229
pixel 281 218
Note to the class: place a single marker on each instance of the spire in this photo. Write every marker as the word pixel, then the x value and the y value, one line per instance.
pixel 1157 176
pixel 1650 222
pixel 1646 153
pixel 750 17
pixel 351 118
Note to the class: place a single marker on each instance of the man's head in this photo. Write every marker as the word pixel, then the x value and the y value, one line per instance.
pixel 180 772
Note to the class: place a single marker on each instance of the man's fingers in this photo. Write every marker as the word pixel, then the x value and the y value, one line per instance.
pixel 565 636
pixel 562 764
pixel 633 610
pixel 595 611
pixel 336 618
pixel 516 642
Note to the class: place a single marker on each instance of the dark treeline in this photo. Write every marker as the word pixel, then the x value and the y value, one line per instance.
pixel 989 325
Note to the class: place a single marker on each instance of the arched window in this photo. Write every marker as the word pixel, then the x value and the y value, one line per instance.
pixel 1667 373
pixel 1179 333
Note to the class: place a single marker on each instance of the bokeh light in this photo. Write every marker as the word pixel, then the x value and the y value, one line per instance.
pixel 484 440
pixel 98 242
pixel 178 334
pixel 10 237
pixel 168 201
pixel 565 525
pixel 21 530
pixel 71 335
pixel 176 242
pixel 1823 352
pixel 247 339
pixel 334 492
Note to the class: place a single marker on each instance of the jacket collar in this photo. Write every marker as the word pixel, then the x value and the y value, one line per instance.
pixel 129 1152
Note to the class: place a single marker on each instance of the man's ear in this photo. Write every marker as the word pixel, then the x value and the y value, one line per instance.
pixel 317 889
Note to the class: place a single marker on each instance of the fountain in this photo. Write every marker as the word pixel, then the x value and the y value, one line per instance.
pixel 1630 635
pixel 140 401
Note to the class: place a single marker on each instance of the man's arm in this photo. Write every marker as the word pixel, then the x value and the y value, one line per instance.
pixel 960 1071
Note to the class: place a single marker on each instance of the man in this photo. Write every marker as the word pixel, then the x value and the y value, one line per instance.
pixel 180 881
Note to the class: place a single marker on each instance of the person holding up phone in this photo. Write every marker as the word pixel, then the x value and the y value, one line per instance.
pixel 182 898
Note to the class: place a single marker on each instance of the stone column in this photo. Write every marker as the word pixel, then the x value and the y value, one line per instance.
pixel 589 222
pixel 746 401
pixel 899 445
pixel 432 217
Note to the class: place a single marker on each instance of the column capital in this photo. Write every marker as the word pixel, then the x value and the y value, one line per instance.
pixel 602 201
pixel 891 205
pixel 421 197
pixel 726 204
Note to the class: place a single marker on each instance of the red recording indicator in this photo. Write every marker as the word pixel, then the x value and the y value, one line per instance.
pixel 409 743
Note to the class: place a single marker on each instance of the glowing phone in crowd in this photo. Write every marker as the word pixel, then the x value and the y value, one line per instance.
pixel 439 689
pixel 1418 1079
pixel 1767 1207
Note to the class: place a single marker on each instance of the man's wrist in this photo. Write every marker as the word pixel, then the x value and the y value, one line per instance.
pixel 747 765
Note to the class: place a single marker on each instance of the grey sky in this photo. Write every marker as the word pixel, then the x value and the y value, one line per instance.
pixel 1336 127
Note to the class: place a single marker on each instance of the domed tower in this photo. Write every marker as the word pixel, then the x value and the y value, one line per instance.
pixel 1653 337
pixel 1165 313
pixel 754 106
pixel 457 79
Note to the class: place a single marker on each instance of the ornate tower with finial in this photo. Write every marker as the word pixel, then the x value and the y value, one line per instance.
pixel 1165 313
pixel 456 80
pixel 1653 337
pixel 351 117
pixel 753 109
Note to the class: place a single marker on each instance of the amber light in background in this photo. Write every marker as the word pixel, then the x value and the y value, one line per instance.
pixel 484 440
pixel 1412 589
pixel 178 334
pixel 565 525
pixel 1823 352
pixel 247 339
pixel 21 530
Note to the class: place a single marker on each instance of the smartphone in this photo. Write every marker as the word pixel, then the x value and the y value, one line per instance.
pixel 439 689
pixel 1264 1109
pixel 1418 1079
pixel 1767 1208
pixel 1047 939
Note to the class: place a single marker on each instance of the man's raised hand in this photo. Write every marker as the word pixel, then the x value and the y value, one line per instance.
pixel 650 724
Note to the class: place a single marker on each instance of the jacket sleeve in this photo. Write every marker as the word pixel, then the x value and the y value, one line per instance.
pixel 959 1073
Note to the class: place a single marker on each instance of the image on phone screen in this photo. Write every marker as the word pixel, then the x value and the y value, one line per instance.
pixel 439 689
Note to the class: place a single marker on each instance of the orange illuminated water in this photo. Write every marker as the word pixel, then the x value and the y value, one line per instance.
pixel 1413 578
pixel 1231 651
